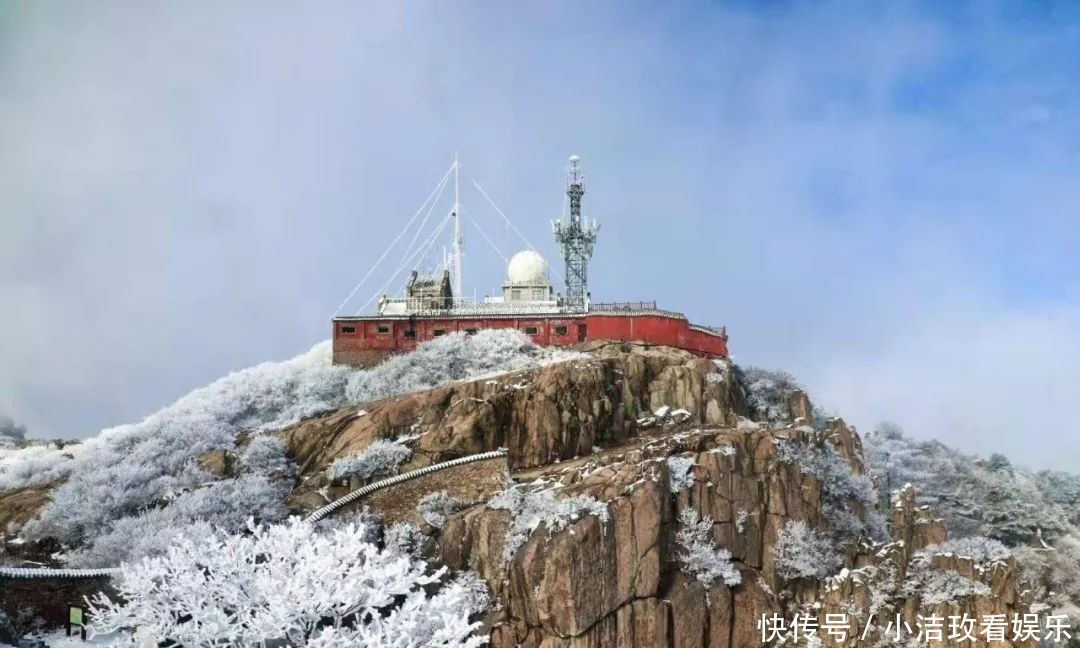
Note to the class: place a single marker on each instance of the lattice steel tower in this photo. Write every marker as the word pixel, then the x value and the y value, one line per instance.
pixel 576 239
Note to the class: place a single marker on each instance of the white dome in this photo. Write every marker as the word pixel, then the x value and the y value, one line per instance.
pixel 527 267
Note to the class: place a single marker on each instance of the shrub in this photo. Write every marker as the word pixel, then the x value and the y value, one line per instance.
pixel 802 552
pixel 531 509
pixel 699 556
pixel 679 475
pixel 379 458
pixel 434 508
pixel 133 472
pixel 450 358
pixel 840 488
pixel 289 583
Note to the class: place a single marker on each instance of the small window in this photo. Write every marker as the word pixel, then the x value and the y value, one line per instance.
pixel 560 330
pixel 531 330
pixel 438 332
pixel 409 333
pixel 348 329
pixel 470 331
pixel 383 330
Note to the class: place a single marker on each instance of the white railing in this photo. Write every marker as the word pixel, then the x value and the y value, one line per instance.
pixel 404 306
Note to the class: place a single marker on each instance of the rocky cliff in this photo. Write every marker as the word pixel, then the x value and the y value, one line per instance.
pixel 643 501
pixel 646 436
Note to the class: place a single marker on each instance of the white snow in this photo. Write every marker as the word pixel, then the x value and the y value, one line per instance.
pixel 531 509
pixel 699 556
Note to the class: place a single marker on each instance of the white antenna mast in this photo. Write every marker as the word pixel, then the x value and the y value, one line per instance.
pixel 458 241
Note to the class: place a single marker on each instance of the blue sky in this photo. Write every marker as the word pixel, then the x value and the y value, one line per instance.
pixel 878 197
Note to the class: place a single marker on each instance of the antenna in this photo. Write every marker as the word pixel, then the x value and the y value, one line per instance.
pixel 576 239
pixel 455 268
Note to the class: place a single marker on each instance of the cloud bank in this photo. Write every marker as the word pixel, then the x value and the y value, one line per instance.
pixel 881 200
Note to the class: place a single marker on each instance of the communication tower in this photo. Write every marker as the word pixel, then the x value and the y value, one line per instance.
pixel 576 239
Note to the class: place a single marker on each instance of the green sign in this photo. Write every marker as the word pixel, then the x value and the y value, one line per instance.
pixel 75 616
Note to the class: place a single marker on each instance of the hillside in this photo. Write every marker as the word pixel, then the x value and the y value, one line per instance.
pixel 646 498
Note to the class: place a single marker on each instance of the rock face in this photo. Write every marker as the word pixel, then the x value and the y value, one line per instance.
pixel 541 416
pixel 22 504
pixel 578 430
pixel 602 559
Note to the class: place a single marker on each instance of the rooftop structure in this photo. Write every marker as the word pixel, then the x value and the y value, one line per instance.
pixel 433 304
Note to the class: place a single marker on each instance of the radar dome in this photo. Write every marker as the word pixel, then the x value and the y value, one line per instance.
pixel 527 267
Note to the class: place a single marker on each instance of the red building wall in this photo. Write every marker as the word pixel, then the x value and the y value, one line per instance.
pixel 364 341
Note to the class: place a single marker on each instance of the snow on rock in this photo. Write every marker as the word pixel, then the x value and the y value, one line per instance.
pixel 746 424
pixel 680 415
pixel 679 475
pixel 531 509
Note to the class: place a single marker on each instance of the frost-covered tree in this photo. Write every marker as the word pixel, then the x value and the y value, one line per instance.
pixel 529 510
pixel 841 487
pixel 975 497
pixel 379 458
pixel 129 477
pixel 128 470
pixel 768 392
pixel 450 358
pixel 802 552
pixel 435 507
pixel 983 551
pixel 265 455
pixel 699 556
pixel 292 583
pixel 679 473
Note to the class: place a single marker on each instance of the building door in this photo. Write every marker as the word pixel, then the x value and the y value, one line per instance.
pixel 581 333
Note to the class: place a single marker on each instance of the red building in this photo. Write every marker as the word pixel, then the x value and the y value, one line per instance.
pixel 363 340
pixel 528 303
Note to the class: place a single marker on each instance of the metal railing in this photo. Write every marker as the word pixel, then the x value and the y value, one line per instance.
pixel 626 306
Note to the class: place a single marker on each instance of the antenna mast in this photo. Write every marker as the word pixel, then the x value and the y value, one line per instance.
pixel 455 261
pixel 576 239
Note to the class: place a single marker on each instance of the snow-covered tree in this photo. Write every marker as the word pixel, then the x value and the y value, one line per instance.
pixel 435 507
pixel 127 478
pixel 379 458
pixel 450 358
pixel 768 392
pixel 802 552
pixel 293 583
pixel 529 510
pixel 841 487
pixel 699 556
pixel 679 473
pixel 975 496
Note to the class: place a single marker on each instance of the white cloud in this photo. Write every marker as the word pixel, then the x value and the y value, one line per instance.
pixel 854 190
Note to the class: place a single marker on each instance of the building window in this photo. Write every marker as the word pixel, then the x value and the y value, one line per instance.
pixel 348 329
pixel 438 332
pixel 470 331
pixel 560 330
pixel 409 333
pixel 531 330
pixel 515 294
pixel 538 294
pixel 383 330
